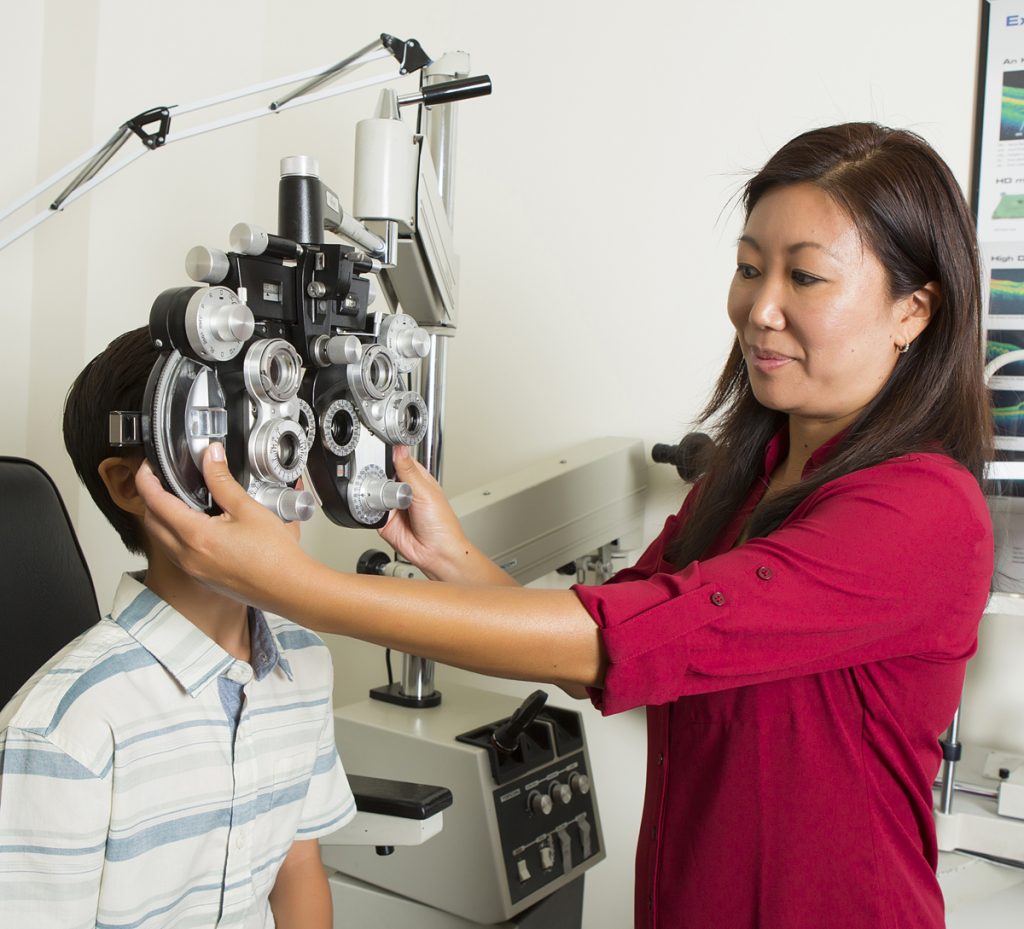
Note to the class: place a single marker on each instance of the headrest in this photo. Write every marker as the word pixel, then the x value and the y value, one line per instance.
pixel 46 589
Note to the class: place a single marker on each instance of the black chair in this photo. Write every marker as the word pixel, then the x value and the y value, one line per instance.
pixel 46 589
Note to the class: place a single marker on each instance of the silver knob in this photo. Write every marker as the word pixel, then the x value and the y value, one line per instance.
pixel 248 239
pixel 338 350
pixel 206 265
pixel 561 792
pixel 580 783
pixel 233 322
pixel 539 804
pixel 413 343
pixel 395 495
pixel 289 504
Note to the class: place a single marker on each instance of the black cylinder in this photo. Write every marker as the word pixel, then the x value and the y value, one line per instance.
pixel 300 209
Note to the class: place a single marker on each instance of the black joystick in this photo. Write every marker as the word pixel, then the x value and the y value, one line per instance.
pixel 690 457
pixel 506 737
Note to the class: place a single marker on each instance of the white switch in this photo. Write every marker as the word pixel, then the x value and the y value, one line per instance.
pixel 524 871
pixel 547 857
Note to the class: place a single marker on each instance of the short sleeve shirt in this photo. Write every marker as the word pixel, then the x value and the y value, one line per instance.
pixel 796 686
pixel 130 798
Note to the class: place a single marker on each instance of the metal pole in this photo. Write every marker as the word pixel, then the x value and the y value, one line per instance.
pixel 950 747
pixel 439 130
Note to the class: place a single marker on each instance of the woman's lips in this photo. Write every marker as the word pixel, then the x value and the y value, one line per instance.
pixel 764 360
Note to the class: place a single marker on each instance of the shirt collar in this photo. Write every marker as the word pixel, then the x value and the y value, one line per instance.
pixel 190 656
pixel 778 448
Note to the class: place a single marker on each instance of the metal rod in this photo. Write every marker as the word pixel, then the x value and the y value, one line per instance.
pixel 98 160
pixel 332 72
pixel 972 789
pixel 418 673
pixel 949 766
pixel 111 170
pixel 417 677
pixel 439 130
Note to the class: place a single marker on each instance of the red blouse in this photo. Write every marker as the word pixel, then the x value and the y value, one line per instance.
pixel 796 687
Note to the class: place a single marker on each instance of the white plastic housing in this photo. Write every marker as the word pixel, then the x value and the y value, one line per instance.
pixel 386 167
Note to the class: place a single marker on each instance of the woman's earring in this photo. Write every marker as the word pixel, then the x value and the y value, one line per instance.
pixel 904 348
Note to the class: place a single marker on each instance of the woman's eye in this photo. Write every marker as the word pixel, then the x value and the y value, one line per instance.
pixel 746 271
pixel 803 278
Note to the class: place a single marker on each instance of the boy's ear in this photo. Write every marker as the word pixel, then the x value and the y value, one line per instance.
pixel 118 476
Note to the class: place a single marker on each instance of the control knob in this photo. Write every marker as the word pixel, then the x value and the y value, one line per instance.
pixel 561 792
pixel 579 783
pixel 539 804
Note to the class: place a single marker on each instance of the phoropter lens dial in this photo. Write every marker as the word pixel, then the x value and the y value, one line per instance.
pixel 217 323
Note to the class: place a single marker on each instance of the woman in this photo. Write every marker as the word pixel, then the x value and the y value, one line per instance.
pixel 799 631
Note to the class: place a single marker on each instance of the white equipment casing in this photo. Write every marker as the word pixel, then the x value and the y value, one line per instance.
pixel 463 870
pixel 546 515
pixel 385 172
pixel 424 280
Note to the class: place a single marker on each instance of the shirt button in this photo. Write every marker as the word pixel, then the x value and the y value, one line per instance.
pixel 240 841
pixel 661 758
pixel 718 598
pixel 765 573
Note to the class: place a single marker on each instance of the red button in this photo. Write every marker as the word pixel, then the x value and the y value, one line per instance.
pixel 718 598
pixel 765 573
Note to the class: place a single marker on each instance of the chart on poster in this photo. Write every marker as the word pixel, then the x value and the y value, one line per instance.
pixel 998 199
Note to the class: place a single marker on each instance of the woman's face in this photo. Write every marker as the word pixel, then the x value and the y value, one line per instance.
pixel 811 305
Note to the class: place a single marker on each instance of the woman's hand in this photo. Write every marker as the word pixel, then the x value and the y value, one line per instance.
pixel 428 534
pixel 239 552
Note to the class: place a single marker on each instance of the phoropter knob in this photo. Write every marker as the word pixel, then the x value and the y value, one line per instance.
pixel 206 265
pixel 388 495
pixel 413 343
pixel 217 323
pixel 337 350
pixel 290 504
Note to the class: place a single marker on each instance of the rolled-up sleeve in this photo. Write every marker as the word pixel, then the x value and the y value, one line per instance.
pixel 891 561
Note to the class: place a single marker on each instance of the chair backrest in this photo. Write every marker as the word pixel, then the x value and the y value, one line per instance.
pixel 46 592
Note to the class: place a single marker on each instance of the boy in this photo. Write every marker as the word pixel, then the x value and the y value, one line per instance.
pixel 175 764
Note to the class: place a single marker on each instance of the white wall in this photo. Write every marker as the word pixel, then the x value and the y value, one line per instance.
pixel 591 217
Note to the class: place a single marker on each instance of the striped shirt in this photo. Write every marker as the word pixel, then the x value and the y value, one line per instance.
pixel 149 779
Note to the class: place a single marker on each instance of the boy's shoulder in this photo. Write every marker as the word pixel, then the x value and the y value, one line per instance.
pixel 299 647
pixel 61 703
pixel 291 636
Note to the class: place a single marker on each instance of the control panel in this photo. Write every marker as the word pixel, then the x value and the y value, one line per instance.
pixel 523 829
pixel 542 802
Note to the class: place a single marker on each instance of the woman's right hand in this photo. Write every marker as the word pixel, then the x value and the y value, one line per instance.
pixel 428 534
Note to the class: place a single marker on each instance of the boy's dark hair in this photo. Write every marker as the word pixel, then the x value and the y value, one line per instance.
pixel 114 380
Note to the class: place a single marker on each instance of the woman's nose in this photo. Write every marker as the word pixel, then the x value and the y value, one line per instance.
pixel 766 310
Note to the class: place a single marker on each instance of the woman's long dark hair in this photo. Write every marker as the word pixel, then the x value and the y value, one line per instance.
pixel 910 211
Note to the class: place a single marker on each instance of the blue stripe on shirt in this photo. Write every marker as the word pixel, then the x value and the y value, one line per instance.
pixel 295 639
pixel 117 664
pixel 40 763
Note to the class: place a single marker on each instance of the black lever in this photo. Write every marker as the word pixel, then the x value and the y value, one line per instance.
pixel 691 456
pixel 506 737
pixel 449 91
